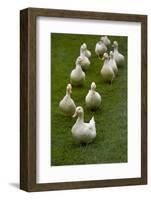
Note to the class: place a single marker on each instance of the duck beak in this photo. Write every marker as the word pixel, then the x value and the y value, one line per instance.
pixel 74 115
pixel 103 58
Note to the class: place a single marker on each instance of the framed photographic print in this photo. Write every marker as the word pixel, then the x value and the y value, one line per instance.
pixel 83 99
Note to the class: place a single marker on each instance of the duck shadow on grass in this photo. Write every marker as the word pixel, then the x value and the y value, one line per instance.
pixel 93 111
pixel 77 145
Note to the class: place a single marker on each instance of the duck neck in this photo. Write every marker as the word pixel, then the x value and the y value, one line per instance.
pixel 80 118
pixel 67 93
pixel 115 49
pixel 82 51
pixel 92 90
pixel 111 58
pixel 106 61
pixel 78 68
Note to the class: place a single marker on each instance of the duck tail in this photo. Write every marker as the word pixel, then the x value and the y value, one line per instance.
pixel 92 121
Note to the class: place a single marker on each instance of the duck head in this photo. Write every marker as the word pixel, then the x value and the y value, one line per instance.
pixel 79 60
pixel 111 54
pixel 84 46
pixel 108 42
pixel 69 89
pixel 115 44
pixel 105 56
pixel 105 40
pixel 102 38
pixel 78 112
pixel 93 86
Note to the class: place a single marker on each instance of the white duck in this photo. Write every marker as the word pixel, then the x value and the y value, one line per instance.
pixel 112 63
pixel 119 58
pixel 81 131
pixel 67 105
pixel 93 98
pixel 77 76
pixel 85 51
pixel 84 61
pixel 106 40
pixel 107 71
pixel 100 48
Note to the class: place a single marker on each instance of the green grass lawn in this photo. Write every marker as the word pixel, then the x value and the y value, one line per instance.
pixel 110 145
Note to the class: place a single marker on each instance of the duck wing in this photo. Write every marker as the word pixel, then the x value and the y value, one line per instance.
pixel 90 127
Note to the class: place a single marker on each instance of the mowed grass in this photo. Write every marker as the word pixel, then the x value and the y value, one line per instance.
pixel 110 145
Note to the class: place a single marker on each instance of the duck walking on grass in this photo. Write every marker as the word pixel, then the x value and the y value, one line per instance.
pixel 67 105
pixel 85 51
pixel 106 40
pixel 112 62
pixel 81 131
pixel 83 61
pixel 77 76
pixel 93 98
pixel 119 58
pixel 107 71
pixel 100 48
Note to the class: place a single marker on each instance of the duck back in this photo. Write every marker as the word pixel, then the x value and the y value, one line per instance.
pixel 119 58
pixel 107 72
pixel 67 106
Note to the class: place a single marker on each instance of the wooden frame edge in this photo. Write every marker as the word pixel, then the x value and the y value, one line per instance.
pixel 28 99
